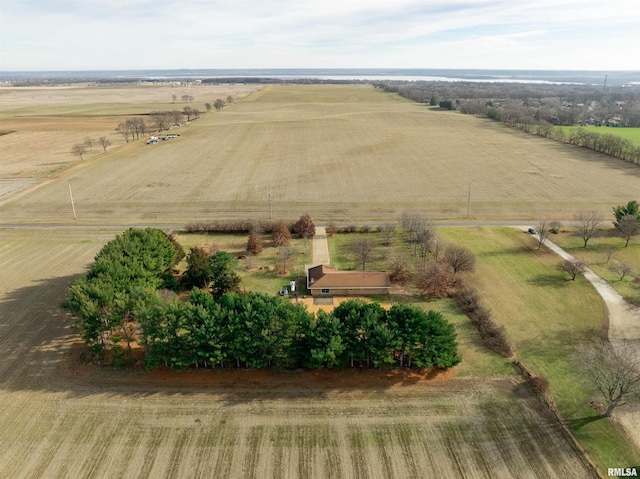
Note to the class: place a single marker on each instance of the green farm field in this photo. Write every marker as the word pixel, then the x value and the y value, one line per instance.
pixel 343 152
pixel 632 134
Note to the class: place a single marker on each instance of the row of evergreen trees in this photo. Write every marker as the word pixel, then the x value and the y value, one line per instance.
pixel 119 300
pixel 254 330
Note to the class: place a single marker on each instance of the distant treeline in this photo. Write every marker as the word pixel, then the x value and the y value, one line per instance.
pixel 121 301
pixel 283 81
pixel 541 108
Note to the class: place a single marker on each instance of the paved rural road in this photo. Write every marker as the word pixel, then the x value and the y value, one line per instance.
pixel 174 225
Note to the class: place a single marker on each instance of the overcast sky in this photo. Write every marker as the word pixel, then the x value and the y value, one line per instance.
pixel 159 34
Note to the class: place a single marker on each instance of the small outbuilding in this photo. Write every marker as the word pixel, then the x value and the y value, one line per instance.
pixel 324 280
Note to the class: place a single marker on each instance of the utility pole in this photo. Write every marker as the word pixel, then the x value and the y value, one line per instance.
pixel 270 211
pixel 469 200
pixel 73 206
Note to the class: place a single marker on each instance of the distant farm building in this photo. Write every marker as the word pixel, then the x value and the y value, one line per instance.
pixel 323 280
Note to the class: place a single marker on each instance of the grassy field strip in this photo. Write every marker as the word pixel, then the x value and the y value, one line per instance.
pixel 546 317
pixel 223 164
pixel 595 256
pixel 632 134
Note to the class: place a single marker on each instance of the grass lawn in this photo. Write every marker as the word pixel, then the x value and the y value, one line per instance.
pixel 476 360
pixel 546 317
pixel 596 254
pixel 632 134
pixel 545 314
pixel 256 272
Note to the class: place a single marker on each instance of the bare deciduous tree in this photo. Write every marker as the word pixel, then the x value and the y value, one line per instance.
pixel 362 250
pixel 543 233
pixel 388 231
pixel 622 270
pixel 207 106
pixel 398 270
pixel 571 266
pixel 459 258
pixel 175 117
pixel 89 142
pixel 613 371
pixel 425 234
pixel 437 245
pixel 410 221
pixel 610 251
pixel 218 104
pixel 78 150
pixel 230 100
pixel 122 130
pixel 104 142
pixel 588 221
pixel 287 253
pixel 627 227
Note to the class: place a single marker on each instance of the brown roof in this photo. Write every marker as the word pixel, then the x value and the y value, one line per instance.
pixel 327 277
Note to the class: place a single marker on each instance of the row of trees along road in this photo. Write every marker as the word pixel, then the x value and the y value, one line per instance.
pixel 120 300
pixel 541 109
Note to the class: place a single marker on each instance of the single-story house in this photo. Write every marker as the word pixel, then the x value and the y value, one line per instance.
pixel 324 280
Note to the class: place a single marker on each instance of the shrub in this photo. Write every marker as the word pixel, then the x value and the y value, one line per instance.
pixel 254 244
pixel 539 383
pixel 331 229
pixel 467 299
pixel 305 226
pixel 437 281
pixel 398 271
pixel 492 335
pixel 280 234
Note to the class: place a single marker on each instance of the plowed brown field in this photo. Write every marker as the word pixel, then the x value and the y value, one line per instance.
pixel 39 125
pixel 60 418
pixel 338 152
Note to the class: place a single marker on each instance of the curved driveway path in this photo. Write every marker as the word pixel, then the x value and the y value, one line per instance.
pixel 624 319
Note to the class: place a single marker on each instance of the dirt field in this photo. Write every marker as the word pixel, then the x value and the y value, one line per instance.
pixel 39 125
pixel 61 419
pixel 312 144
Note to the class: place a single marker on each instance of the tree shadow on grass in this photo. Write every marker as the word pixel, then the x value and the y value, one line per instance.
pixel 578 423
pixel 516 250
pixel 549 280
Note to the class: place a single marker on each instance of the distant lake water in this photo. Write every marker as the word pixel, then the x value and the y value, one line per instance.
pixel 334 74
